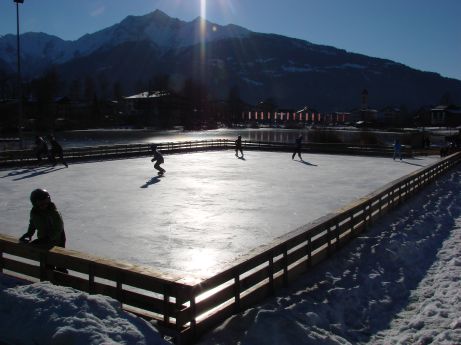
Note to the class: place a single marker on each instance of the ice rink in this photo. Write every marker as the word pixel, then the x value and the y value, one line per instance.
pixel 209 209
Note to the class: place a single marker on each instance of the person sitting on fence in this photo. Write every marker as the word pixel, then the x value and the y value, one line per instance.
pixel 238 146
pixel 298 147
pixel 397 149
pixel 56 150
pixel 158 157
pixel 46 220
pixel 41 148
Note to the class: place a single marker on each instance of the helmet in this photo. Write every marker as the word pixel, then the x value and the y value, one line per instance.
pixel 39 195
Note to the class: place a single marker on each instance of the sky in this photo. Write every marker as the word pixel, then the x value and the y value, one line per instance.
pixel 422 34
pixel 396 283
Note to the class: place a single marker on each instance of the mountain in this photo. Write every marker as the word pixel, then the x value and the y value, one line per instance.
pixel 291 71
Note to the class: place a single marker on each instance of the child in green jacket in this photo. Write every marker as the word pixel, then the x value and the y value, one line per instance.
pixel 46 220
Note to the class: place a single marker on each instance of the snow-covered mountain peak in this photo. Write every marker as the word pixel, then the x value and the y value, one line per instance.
pixel 156 27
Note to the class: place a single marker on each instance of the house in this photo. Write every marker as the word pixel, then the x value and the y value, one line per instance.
pixel 161 109
pixel 446 115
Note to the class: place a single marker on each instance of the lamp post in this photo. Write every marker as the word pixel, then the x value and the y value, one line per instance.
pixel 21 143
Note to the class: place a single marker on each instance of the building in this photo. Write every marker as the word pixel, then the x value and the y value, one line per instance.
pixel 161 109
pixel 446 115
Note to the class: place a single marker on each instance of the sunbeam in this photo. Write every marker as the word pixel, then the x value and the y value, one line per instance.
pixel 202 36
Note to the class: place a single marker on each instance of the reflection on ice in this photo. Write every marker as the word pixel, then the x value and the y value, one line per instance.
pixel 200 260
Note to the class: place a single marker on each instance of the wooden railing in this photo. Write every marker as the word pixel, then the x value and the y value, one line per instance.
pixel 188 308
pixel 259 274
pixel 27 157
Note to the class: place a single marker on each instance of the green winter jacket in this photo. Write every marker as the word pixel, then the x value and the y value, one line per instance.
pixel 48 223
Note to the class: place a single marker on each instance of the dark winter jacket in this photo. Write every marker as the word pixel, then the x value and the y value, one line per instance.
pixel 158 157
pixel 238 144
pixel 299 142
pixel 55 146
pixel 49 225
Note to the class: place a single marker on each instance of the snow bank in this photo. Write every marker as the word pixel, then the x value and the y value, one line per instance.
pixel 42 313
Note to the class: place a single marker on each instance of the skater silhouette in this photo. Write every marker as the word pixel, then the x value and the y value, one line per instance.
pixel 56 150
pixel 298 147
pixel 397 149
pixel 158 157
pixel 238 146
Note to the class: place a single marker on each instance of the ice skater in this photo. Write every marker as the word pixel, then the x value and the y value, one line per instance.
pixel 298 147
pixel 158 157
pixel 56 150
pixel 238 146
pixel 46 220
pixel 41 148
pixel 397 149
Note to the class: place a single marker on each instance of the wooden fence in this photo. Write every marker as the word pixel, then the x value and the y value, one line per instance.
pixel 187 308
pixel 27 157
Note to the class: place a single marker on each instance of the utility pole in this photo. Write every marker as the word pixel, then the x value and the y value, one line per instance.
pixel 20 110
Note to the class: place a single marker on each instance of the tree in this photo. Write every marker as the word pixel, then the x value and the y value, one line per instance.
pixel 75 90
pixel 446 99
pixel 103 85
pixel 45 89
pixel 89 91
pixel 117 91
pixel 160 82
pixel 196 94
pixel 235 105
pixel 7 85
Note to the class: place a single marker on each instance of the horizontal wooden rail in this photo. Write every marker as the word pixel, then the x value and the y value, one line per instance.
pixel 188 308
pixel 27 157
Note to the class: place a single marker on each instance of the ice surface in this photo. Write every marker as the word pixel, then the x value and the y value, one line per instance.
pixel 209 209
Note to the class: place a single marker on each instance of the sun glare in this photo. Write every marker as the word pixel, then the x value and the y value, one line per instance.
pixel 202 33
pixel 203 9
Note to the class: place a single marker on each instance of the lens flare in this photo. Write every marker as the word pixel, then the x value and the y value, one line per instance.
pixel 203 9
pixel 202 36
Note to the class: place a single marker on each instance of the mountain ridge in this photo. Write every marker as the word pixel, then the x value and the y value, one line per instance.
pixel 292 71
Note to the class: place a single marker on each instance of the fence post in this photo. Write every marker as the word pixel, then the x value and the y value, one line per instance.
pixel 352 224
pixel 237 291
pixel 91 285
pixel 271 273
pixel 337 234
pixel 193 308
pixel 43 267
pixel 285 266
pixel 166 300
pixel 328 225
pixel 309 251
pixel 119 293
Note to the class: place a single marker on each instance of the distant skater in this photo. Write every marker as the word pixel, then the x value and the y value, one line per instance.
pixel 238 146
pixel 158 157
pixel 56 150
pixel 397 149
pixel 298 147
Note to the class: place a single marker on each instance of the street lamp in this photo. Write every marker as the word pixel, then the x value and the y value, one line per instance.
pixel 19 74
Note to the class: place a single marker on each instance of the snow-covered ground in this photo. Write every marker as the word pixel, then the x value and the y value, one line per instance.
pixel 209 209
pixel 398 283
